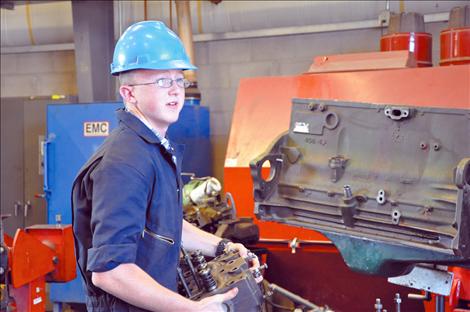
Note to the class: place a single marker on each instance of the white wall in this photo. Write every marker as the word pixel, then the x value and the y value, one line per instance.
pixel 38 74
pixel 223 63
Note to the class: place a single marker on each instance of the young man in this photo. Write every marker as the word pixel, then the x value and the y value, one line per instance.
pixel 127 203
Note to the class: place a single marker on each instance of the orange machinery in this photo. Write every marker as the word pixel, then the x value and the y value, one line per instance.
pixel 36 255
pixel 262 112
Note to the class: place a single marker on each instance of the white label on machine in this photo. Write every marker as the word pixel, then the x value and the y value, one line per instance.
pixel 231 162
pixel 37 300
pixel 95 128
pixel 301 127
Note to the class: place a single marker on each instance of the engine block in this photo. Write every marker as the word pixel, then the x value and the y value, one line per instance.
pixel 388 184
pixel 200 278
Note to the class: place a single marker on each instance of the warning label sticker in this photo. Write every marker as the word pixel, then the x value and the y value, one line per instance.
pixel 95 128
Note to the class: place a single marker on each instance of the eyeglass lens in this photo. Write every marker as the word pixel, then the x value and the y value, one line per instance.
pixel 168 82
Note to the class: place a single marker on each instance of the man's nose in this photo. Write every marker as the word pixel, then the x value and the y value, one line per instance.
pixel 174 88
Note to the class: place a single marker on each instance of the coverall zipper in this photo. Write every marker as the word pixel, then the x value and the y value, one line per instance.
pixel 159 237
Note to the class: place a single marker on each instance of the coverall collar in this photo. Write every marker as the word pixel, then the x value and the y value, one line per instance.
pixel 138 126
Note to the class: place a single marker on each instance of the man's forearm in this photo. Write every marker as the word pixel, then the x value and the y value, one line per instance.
pixel 195 238
pixel 131 284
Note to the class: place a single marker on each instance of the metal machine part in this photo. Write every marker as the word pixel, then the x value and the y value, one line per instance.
pixel 430 279
pixel 199 279
pixel 425 278
pixel 378 305
pixel 397 301
pixel 239 230
pixel 204 207
pixel 307 305
pixel 388 185
pixel 36 255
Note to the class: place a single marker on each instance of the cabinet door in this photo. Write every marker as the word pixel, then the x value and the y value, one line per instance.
pixel 12 163
pixel 34 116
pixel 23 124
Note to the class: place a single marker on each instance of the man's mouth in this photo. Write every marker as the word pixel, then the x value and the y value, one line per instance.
pixel 173 103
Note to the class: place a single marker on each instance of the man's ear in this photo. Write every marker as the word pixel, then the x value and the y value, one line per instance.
pixel 127 94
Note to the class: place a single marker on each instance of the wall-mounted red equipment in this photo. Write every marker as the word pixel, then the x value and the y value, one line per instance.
pixel 455 40
pixel 406 32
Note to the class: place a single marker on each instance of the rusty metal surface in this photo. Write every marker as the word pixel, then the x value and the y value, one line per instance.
pixel 373 178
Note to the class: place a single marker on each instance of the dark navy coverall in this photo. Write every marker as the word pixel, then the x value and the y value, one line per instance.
pixel 127 208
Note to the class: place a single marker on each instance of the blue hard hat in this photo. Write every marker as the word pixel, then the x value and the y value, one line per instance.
pixel 149 45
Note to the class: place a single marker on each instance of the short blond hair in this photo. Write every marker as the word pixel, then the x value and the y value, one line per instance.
pixel 127 78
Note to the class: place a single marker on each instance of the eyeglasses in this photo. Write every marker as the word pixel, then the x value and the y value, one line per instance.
pixel 166 83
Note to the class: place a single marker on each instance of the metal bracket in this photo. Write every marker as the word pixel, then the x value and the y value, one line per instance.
pixel 427 279
pixel 397 113
pixel 337 165
pixel 294 244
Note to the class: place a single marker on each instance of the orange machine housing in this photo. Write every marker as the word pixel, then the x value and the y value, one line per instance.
pixel 262 113
pixel 38 254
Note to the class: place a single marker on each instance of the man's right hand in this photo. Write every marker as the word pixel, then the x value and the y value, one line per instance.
pixel 216 303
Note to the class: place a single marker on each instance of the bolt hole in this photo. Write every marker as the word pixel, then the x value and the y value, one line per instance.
pixel 396 112
pixel 331 121
pixel 267 171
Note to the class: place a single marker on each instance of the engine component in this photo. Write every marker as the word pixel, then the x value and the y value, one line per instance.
pixel 431 279
pixel 239 230
pixel 205 190
pixel 199 278
pixel 204 207
pixel 219 275
pixel 388 185
pixel 297 299
pixel 397 301
pixel 378 305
